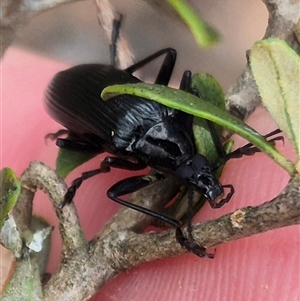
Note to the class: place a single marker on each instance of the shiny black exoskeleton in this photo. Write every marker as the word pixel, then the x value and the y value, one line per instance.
pixel 136 131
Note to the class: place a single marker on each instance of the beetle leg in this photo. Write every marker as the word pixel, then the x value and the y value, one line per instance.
pixel 215 205
pixel 59 133
pixel 133 184
pixel 185 85
pixel 71 191
pixel 105 166
pixel 191 245
pixel 216 139
pixel 185 119
pixel 77 145
pixel 166 68
pixel 247 150
pixel 189 242
pixel 185 82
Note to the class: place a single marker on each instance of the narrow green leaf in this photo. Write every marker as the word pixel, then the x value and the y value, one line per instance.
pixel 203 33
pixel 68 160
pixel 190 104
pixel 9 191
pixel 276 70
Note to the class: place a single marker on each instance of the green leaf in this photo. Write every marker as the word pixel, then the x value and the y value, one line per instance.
pixel 210 91
pixel 276 70
pixel 190 104
pixel 209 88
pixel 68 160
pixel 10 190
pixel 203 33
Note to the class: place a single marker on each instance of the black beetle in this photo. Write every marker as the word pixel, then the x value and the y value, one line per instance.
pixel 137 131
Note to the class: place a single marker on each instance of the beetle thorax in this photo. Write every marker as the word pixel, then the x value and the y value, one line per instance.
pixel 162 145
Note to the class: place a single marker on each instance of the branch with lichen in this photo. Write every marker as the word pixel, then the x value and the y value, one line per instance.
pixel 120 244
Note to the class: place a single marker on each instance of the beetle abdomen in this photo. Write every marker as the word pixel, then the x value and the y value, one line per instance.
pixel 120 125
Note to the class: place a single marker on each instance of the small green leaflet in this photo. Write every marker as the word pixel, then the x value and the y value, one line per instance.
pixel 10 190
pixel 276 70
pixel 68 160
pixel 191 104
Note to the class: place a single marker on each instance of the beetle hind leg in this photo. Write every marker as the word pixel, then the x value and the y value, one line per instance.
pixel 135 183
pixel 105 167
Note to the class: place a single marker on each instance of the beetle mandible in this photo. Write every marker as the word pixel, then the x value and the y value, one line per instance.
pixel 137 132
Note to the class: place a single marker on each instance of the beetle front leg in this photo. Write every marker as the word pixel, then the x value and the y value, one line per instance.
pixel 191 245
pixel 105 167
pixel 133 184
pixel 189 242
pixel 247 150
pixel 221 203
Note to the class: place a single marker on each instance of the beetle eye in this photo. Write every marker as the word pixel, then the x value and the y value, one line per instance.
pixel 185 172
pixel 199 162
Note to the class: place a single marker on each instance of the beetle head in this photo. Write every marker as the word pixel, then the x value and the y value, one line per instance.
pixel 197 172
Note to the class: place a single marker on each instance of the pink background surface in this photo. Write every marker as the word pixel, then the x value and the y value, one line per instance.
pixel 261 267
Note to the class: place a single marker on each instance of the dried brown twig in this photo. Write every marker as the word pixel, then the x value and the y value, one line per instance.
pixel 106 16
